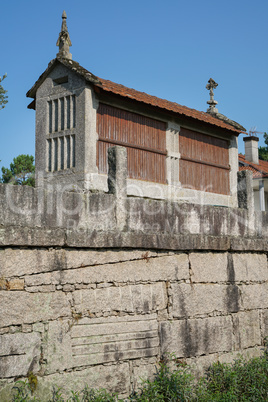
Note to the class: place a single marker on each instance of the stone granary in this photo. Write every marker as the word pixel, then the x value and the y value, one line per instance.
pixel 174 152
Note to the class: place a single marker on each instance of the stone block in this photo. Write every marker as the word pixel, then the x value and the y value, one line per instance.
pixel 57 347
pixel 166 268
pixel 23 307
pixel 29 236
pixel 249 353
pixel 247 331
pixel 264 324
pixel 129 298
pixel 18 262
pixel 196 337
pixel 113 378
pixel 85 258
pixel 254 296
pixel 191 300
pixel 19 354
pixel 145 371
pixel 16 284
pixel 250 267
pixel 111 339
pixel 90 341
pixel 208 267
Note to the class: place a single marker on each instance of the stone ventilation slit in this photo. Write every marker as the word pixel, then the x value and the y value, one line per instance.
pixel 73 150
pixel 55 142
pixel 62 153
pixel 62 113
pixel 49 148
pixel 50 116
pixel 68 101
pixel 68 146
pixel 74 110
pixel 56 114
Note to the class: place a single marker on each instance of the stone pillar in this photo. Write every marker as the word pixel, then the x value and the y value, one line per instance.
pixel 233 161
pixel 89 145
pixel 117 182
pixel 173 155
pixel 261 194
pixel 245 198
pixel 245 191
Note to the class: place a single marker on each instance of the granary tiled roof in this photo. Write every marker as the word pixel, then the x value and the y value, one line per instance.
pixel 259 170
pixel 121 90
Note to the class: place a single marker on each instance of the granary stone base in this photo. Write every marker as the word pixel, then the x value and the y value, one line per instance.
pixel 104 317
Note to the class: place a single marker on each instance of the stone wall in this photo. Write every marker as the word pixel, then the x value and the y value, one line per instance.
pixel 96 287
pixel 105 316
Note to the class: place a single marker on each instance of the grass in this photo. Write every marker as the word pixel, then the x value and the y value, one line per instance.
pixel 243 380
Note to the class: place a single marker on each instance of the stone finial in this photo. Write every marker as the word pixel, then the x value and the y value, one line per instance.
pixel 212 103
pixel 64 41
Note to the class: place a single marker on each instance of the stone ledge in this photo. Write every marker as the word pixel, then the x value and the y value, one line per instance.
pixel 46 237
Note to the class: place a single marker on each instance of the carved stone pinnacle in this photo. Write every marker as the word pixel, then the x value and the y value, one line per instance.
pixel 212 103
pixel 64 41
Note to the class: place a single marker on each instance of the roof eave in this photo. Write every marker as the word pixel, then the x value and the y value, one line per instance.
pixel 232 130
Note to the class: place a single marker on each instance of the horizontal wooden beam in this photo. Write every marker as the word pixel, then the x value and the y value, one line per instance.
pixel 134 146
pixel 185 158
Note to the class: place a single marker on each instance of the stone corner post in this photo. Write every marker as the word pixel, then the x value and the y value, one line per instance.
pixel 117 182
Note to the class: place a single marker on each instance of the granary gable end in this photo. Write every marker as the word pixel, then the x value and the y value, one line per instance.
pixel 173 151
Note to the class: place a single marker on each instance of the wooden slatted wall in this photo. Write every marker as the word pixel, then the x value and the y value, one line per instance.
pixel 144 138
pixel 204 163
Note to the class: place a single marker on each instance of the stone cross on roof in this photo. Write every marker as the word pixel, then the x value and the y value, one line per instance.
pixel 212 103
pixel 64 41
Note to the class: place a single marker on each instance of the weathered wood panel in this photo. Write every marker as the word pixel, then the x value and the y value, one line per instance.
pixel 144 138
pixel 204 163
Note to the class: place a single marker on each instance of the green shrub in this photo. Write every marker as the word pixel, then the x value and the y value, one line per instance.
pixel 243 380
pixel 167 385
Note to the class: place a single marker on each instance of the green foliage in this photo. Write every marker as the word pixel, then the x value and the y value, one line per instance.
pixel 32 380
pixel 3 96
pixel 241 381
pixel 97 395
pixel 21 171
pixel 56 395
pixel 167 385
pixel 22 392
pixel 263 151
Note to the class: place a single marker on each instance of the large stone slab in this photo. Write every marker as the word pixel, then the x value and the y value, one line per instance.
pixel 132 298
pixel 146 269
pixel 113 339
pixel 84 258
pixel 19 354
pixel 24 308
pixel 196 337
pixel 18 262
pixel 254 296
pixel 208 267
pixel 264 324
pixel 189 300
pixel 113 378
pixel 91 341
pixel 247 331
pixel 28 236
pixel 250 267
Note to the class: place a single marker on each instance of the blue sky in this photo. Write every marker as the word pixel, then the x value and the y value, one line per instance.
pixel 165 48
